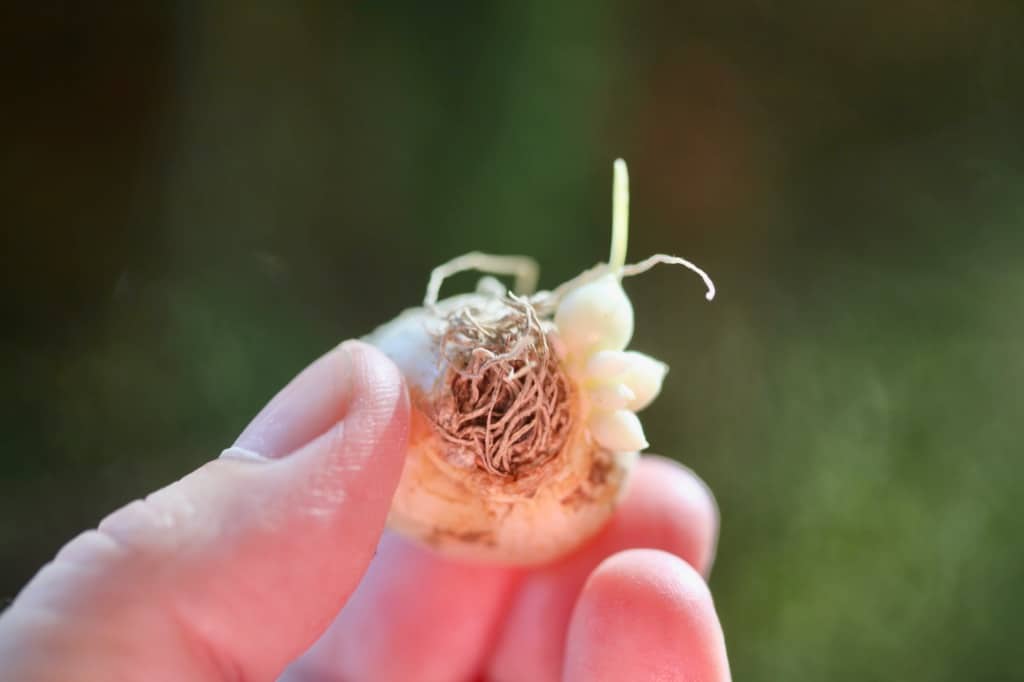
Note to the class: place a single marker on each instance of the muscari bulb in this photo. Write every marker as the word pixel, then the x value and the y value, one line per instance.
pixel 524 426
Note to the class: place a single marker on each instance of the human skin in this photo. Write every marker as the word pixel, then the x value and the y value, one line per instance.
pixel 240 570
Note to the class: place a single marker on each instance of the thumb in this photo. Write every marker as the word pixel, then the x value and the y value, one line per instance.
pixel 234 570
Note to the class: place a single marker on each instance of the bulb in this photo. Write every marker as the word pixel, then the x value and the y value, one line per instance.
pixel 524 510
pixel 524 426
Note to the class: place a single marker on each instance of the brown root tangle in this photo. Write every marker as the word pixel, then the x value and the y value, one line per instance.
pixel 505 400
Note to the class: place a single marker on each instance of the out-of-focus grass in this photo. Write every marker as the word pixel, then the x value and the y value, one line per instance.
pixel 239 189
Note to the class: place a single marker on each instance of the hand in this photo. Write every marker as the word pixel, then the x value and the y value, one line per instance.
pixel 234 571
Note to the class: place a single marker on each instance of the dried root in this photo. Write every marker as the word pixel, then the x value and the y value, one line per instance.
pixel 507 402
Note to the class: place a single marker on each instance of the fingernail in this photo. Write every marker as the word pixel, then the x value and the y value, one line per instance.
pixel 236 452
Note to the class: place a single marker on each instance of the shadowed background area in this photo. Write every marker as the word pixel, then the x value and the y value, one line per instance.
pixel 198 201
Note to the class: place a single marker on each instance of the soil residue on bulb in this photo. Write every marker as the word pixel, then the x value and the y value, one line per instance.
pixel 439 536
pixel 505 402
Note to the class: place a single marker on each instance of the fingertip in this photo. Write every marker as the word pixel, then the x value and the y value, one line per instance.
pixel 645 614
pixel 651 579
pixel 307 406
pixel 373 436
pixel 682 506
pixel 381 392
pixel 321 396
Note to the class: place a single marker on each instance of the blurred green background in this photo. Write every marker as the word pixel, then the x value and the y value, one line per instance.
pixel 199 200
